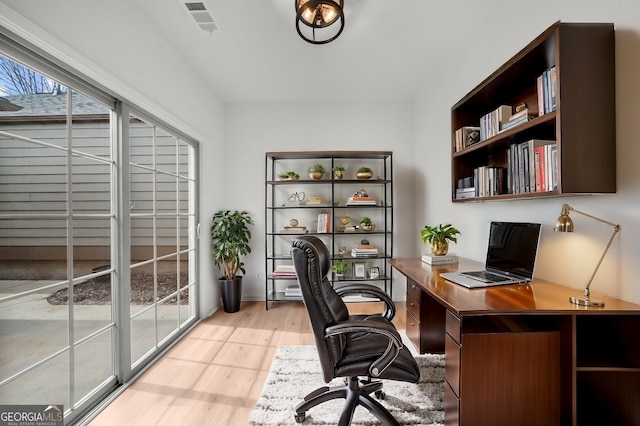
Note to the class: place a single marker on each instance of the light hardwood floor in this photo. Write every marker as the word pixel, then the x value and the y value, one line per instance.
pixel 215 374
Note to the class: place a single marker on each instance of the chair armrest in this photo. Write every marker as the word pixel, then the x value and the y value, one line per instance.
pixel 388 330
pixel 390 307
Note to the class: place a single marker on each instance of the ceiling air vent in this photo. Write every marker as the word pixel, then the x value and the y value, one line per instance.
pixel 202 17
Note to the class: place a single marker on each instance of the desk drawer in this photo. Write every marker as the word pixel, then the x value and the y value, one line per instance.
pixel 451 407
pixel 413 291
pixel 452 364
pixel 413 329
pixel 452 326
pixel 413 307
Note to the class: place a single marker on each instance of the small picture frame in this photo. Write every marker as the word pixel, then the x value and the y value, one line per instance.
pixel 374 272
pixel 359 270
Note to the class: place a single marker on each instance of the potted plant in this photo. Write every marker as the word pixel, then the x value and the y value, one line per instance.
pixel 338 171
pixel 230 237
pixel 364 173
pixel 366 224
pixel 340 267
pixel 438 237
pixel 316 171
pixel 289 175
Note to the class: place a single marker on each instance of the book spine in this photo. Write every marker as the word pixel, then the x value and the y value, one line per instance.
pixel 540 96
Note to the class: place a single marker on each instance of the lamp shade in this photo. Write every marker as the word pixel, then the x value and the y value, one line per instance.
pixel 564 222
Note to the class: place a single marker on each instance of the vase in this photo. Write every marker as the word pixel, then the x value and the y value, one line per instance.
pixel 231 291
pixel 440 248
pixel 316 175
pixel 338 174
pixel 364 175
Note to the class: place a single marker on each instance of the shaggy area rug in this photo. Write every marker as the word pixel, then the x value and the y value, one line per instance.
pixel 295 372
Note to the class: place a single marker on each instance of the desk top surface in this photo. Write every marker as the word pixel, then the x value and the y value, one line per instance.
pixel 537 297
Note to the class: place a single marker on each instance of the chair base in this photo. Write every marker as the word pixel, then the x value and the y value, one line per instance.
pixel 355 393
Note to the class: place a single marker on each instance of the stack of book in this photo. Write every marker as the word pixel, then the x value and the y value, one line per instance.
pixel 364 250
pixel 293 230
pixel 284 271
pixel 518 118
pixel 446 259
pixel 361 201
pixel 293 292
pixel 468 192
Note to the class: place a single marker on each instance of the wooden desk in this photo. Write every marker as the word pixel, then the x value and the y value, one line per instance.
pixel 523 354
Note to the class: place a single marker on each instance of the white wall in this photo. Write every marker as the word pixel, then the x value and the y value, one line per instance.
pixel 565 258
pixel 251 129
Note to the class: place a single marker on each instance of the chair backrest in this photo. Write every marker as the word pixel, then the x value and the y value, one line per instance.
pixel 325 308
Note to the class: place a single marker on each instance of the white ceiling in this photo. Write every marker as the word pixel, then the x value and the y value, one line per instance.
pixel 384 53
pixel 389 50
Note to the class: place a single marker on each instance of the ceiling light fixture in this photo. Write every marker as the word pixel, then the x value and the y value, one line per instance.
pixel 317 16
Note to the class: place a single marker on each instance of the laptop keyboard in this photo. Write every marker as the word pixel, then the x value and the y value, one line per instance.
pixel 487 276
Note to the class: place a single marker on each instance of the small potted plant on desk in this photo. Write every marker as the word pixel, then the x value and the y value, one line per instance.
pixel 230 237
pixel 339 268
pixel 438 237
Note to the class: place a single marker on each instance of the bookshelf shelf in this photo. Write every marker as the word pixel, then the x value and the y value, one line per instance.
pixel 577 61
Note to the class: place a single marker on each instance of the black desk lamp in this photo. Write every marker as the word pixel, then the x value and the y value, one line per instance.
pixel 565 224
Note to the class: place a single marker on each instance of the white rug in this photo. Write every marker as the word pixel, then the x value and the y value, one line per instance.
pixel 295 372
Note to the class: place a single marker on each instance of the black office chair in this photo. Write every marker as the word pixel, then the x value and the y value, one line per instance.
pixel 349 346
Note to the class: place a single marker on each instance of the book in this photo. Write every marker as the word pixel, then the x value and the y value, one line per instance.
pixel 540 95
pixel 446 259
pixel 324 223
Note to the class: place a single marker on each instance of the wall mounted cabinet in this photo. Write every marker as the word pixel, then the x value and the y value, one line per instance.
pixel 565 79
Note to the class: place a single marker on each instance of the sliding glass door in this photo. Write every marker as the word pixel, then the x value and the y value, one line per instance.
pixel 97 239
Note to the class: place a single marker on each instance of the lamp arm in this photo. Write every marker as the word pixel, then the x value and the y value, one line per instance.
pixel 616 229
pixel 595 218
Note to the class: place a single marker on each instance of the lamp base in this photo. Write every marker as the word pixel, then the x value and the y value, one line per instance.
pixel 586 301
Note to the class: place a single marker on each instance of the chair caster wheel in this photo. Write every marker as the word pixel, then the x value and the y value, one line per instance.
pixel 379 394
pixel 300 417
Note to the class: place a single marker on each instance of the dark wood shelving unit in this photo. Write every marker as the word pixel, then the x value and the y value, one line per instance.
pixel 583 123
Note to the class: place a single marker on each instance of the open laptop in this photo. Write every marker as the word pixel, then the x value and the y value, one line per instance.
pixel 511 256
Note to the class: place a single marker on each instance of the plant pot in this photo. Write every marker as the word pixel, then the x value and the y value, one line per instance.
pixel 364 175
pixel 367 228
pixel 231 293
pixel 316 175
pixel 440 248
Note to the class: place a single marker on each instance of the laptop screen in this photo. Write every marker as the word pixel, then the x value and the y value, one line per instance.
pixel 513 247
